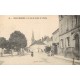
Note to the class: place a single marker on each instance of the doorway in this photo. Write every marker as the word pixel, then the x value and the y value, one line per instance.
pixel 77 43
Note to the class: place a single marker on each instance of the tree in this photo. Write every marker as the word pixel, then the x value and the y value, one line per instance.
pixel 2 42
pixel 8 45
pixel 18 40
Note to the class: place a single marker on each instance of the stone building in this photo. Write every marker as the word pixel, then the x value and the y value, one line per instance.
pixel 69 34
pixel 55 41
pixel 37 46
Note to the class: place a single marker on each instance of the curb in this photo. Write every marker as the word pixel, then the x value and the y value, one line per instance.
pixel 68 59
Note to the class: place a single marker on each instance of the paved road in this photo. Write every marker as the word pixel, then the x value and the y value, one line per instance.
pixel 38 58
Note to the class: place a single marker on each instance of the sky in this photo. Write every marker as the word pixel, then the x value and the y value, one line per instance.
pixel 43 26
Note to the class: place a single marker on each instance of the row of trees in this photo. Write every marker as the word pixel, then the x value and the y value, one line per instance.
pixel 16 41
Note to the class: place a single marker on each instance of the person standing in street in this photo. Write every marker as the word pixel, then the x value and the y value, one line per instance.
pixel 32 54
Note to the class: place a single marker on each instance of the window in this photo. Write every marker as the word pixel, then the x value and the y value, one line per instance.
pixel 68 41
pixel 62 43
pixel 67 26
pixel 61 29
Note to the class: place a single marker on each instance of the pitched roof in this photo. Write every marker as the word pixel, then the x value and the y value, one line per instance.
pixel 56 31
pixel 39 42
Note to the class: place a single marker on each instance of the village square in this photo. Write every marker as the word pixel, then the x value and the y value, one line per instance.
pixel 61 48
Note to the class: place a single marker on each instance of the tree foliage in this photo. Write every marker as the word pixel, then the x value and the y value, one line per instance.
pixel 18 40
pixel 2 42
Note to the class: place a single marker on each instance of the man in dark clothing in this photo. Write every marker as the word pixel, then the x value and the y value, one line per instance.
pixel 32 54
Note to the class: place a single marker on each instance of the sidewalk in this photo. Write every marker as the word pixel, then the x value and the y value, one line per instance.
pixel 68 59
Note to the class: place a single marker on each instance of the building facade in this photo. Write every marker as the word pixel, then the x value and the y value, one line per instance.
pixel 69 34
pixel 55 41
pixel 37 46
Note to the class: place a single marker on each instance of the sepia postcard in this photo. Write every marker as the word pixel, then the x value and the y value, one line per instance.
pixel 39 39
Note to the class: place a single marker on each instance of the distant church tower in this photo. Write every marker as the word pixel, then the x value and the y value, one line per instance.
pixel 32 39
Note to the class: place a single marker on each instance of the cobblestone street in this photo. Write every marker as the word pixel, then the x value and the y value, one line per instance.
pixel 38 58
